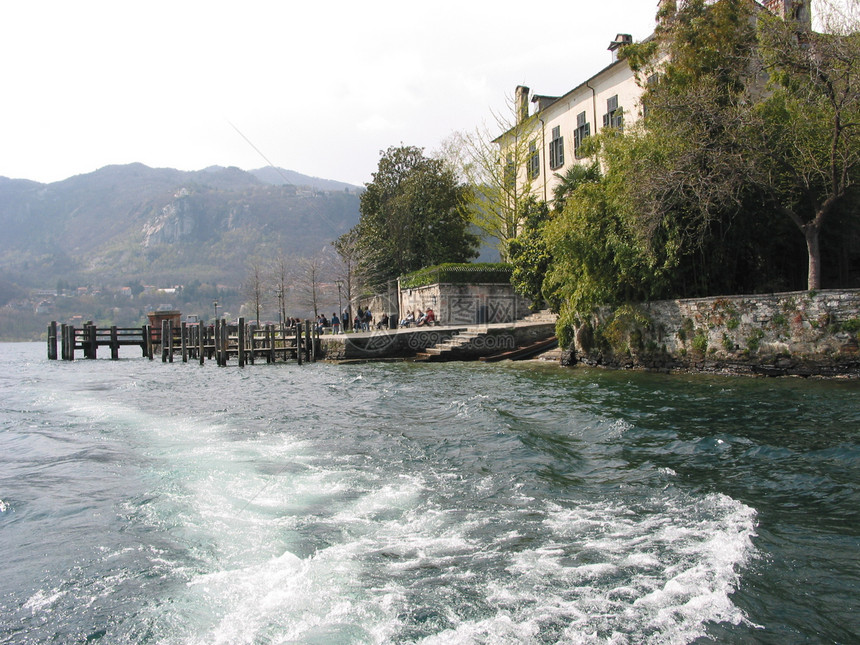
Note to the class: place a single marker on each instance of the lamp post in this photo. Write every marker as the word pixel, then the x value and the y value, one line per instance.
pixel 280 293
pixel 339 284
pixel 215 304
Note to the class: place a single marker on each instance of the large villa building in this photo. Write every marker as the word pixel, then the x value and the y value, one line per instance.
pixel 545 143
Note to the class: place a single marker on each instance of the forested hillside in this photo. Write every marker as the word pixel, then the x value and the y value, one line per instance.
pixel 79 246
pixel 161 226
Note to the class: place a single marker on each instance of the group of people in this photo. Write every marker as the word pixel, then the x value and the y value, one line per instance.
pixel 418 318
pixel 363 321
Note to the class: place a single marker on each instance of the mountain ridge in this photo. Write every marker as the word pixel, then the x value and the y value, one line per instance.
pixel 273 175
pixel 130 222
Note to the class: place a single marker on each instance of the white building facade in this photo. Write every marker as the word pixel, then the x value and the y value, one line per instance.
pixel 549 135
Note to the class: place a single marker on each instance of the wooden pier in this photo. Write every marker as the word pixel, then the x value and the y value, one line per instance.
pixel 220 342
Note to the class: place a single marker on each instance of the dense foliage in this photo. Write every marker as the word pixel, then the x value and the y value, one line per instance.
pixel 750 117
pixel 450 273
pixel 749 135
pixel 529 253
pixel 412 216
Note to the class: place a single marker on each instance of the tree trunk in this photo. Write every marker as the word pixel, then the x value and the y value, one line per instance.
pixel 813 248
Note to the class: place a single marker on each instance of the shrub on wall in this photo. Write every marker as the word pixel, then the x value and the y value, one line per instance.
pixel 482 273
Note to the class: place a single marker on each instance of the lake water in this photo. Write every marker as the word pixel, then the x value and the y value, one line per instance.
pixel 423 503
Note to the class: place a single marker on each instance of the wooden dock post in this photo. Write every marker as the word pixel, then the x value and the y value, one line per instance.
pixel 68 342
pixel 251 344
pixel 89 340
pixel 183 334
pixel 308 341
pixel 201 337
pixel 114 344
pixel 224 341
pixel 241 340
pixel 52 341
pixel 170 341
pixel 219 343
pixel 164 333
pixel 210 342
pixel 148 341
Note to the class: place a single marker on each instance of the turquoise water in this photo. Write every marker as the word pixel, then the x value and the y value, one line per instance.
pixel 422 503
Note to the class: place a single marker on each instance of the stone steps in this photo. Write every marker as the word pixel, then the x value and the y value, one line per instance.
pixel 542 316
pixel 450 349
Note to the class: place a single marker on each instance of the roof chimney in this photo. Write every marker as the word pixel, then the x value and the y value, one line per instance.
pixel 618 43
pixel 521 98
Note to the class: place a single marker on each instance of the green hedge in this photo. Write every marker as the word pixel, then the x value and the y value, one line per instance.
pixel 484 273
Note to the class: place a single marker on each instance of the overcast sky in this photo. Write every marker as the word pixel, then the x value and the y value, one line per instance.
pixel 319 87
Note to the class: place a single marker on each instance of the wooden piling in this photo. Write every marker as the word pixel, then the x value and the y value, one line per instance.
pixel 241 339
pixel 197 341
pixel 225 339
pixel 52 341
pixel 164 332
pixel 147 330
pixel 183 333
pixel 69 342
pixel 114 344
pixel 89 340
pixel 170 341
pixel 201 337
pixel 252 347
pixel 220 333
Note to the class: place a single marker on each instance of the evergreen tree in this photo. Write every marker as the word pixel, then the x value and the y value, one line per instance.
pixel 412 216
pixel 528 252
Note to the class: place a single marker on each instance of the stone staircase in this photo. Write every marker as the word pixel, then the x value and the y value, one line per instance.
pixel 462 346
pixel 486 340
pixel 542 316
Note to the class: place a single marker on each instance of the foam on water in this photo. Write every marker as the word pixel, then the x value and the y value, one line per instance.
pixel 260 531
pixel 607 573
pixel 380 545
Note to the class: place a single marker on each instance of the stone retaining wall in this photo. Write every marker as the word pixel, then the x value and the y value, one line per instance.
pixel 466 304
pixel 800 333
pixel 406 343
pixel 383 344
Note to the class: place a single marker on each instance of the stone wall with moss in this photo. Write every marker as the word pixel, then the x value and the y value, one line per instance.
pixel 802 333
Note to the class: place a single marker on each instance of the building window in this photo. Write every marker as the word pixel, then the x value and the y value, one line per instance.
pixel 534 160
pixel 556 149
pixel 614 117
pixel 582 132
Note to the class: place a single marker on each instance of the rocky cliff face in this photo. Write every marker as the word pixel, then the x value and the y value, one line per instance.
pixel 174 224
pixel 143 223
